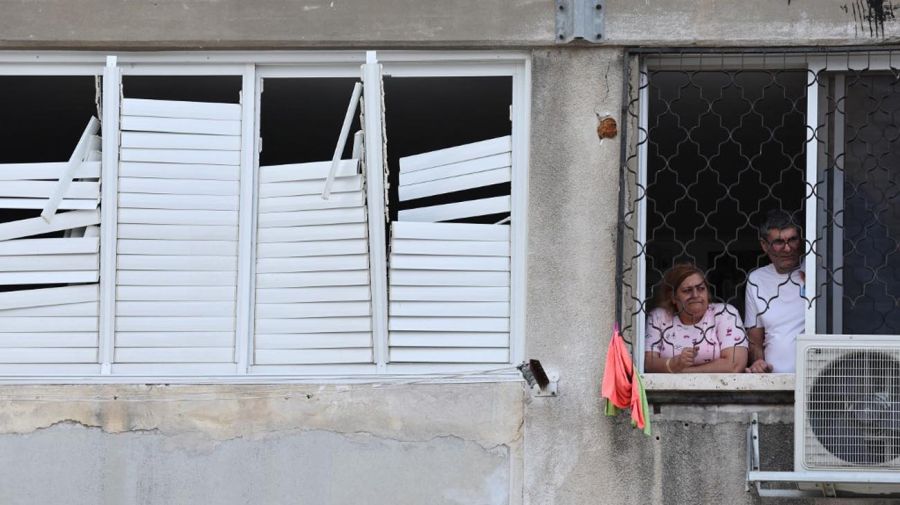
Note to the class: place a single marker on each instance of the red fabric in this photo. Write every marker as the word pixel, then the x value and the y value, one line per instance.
pixel 617 387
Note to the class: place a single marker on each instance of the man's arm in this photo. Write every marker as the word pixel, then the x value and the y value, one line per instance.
pixel 758 364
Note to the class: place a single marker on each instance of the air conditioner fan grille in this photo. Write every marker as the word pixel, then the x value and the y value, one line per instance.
pixel 852 408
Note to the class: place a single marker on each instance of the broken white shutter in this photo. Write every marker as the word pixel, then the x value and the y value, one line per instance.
pixel 56 324
pixel 450 282
pixel 313 302
pixel 177 244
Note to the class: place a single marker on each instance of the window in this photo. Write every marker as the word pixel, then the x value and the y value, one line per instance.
pixel 717 140
pixel 211 250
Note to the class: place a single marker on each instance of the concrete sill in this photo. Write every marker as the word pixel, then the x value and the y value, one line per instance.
pixel 719 388
pixel 718 382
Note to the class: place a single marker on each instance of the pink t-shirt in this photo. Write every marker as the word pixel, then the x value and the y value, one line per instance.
pixel 719 329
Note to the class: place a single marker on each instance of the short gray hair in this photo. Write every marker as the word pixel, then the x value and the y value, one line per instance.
pixel 777 219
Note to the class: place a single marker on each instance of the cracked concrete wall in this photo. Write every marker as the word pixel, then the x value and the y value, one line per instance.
pixel 277 24
pixel 406 444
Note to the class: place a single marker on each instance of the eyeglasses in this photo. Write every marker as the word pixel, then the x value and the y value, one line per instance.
pixel 779 244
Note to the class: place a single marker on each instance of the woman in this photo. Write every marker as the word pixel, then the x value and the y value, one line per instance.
pixel 687 334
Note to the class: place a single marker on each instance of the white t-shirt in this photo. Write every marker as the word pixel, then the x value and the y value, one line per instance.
pixel 775 303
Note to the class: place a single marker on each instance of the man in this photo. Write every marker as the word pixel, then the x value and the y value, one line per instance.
pixel 775 300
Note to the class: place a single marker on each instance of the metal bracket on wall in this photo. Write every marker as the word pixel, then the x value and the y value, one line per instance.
pixel 580 19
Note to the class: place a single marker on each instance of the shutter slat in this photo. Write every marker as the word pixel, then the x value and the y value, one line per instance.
pixel 47 171
pixel 449 278
pixel 174 338
pixel 476 309
pixel 177 247
pixel 313 340
pixel 312 217
pixel 310 202
pixel 313 187
pixel 180 202
pixel 173 355
pixel 450 247
pixel 456 154
pixel 302 310
pixel 449 355
pixel 312 248
pixel 312 279
pixel 180 109
pixel 449 293
pixel 50 246
pixel 306 171
pixel 163 324
pixel 313 356
pixel 314 294
pixel 142 140
pixel 458 210
pixel 313 264
pixel 448 339
pixel 453 184
pixel 313 233
pixel 434 262
pixel 449 231
pixel 179 125
pixel 178 171
pixel 199 156
pixel 180 308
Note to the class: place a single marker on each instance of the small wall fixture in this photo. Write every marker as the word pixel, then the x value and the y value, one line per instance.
pixel 541 382
pixel 579 19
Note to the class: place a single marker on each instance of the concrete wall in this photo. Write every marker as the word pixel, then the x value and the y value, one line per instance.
pixel 412 23
pixel 405 444
pixel 447 444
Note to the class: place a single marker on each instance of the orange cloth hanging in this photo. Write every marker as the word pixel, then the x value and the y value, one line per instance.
pixel 622 385
pixel 616 385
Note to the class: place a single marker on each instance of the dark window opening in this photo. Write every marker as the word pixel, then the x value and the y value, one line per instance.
pixel 724 148
pixel 301 119
pixel 222 89
pixel 43 118
pixel 425 114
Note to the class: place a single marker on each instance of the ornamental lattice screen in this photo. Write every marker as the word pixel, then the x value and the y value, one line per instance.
pixel 714 141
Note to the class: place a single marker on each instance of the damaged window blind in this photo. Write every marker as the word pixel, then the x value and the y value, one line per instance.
pixel 313 302
pixel 450 281
pixel 177 242
pixel 49 264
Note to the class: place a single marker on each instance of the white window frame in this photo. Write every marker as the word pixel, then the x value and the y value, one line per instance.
pixel 723 382
pixel 252 67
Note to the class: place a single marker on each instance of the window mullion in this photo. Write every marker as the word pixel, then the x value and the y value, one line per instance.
pixel 521 111
pixel 374 145
pixel 641 266
pixel 812 173
pixel 246 223
pixel 112 80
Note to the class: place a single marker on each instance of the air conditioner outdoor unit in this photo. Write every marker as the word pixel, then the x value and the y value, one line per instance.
pixel 847 412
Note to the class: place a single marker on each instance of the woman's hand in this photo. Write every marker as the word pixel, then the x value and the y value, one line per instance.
pixel 760 366
pixel 683 360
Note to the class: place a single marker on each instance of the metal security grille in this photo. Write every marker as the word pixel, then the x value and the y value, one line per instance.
pixel 852 408
pixel 716 140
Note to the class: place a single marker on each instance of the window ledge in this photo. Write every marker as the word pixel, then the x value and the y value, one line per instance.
pixel 723 388
pixel 718 382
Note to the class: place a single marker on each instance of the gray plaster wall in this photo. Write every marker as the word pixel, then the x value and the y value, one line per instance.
pixel 449 444
pixel 412 23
